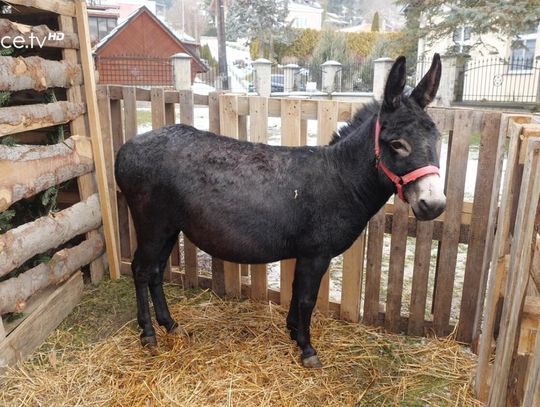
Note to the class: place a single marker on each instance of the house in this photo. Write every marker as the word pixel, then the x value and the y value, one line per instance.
pixel 494 68
pixel 305 14
pixel 138 51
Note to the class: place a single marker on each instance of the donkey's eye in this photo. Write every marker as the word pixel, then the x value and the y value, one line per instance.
pixel 401 147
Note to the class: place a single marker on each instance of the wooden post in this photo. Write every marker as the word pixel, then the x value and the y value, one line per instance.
pixel 258 116
pixel 190 250
pixel 519 272
pixel 351 282
pixel 97 142
pixel 327 117
pixel 498 274
pixel 290 133
pixel 218 274
pixel 228 105
pixel 373 267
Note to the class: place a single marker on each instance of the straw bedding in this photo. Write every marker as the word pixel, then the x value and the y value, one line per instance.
pixel 240 354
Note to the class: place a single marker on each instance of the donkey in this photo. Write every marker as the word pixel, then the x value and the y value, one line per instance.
pixel 254 203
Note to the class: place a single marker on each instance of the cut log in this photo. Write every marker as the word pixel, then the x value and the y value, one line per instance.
pixel 64 7
pixel 37 73
pixel 23 118
pixel 27 170
pixel 22 243
pixel 38 36
pixel 15 291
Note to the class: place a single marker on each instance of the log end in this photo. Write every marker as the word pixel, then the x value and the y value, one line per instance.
pixel 6 197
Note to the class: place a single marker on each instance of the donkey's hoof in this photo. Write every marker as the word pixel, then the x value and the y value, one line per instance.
pixel 178 330
pixel 150 343
pixel 312 362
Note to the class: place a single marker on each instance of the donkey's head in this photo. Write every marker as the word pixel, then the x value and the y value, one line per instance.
pixel 406 141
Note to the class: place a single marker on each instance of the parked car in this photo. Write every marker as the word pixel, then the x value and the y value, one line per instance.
pixel 277 83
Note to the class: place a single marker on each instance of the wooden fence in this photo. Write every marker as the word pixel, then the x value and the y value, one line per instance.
pixel 469 223
pixel 43 294
pixel 513 295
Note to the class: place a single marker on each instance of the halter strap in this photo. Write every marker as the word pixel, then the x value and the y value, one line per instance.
pixel 399 181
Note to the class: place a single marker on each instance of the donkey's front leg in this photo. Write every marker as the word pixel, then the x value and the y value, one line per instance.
pixel 307 280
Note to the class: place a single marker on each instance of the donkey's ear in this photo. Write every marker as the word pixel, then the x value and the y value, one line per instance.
pixel 425 91
pixel 395 84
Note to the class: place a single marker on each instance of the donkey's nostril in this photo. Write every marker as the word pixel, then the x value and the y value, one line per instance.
pixel 423 205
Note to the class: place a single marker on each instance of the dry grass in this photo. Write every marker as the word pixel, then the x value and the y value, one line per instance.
pixel 240 355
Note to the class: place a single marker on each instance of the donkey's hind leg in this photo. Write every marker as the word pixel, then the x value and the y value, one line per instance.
pixel 163 315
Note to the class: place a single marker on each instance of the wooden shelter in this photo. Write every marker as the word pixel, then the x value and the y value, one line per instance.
pixel 49 89
pixel 138 51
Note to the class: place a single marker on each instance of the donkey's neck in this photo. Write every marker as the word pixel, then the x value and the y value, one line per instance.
pixel 355 158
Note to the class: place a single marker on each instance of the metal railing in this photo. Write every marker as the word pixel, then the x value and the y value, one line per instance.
pixel 134 70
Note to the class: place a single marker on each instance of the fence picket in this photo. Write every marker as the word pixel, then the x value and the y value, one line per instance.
pixel 489 143
pixel 373 267
pixel 130 131
pixel 258 117
pixel 327 115
pixel 351 281
pixel 228 117
pixel 400 224
pixel 422 258
pixel 291 130
pixel 457 166
pixel 191 279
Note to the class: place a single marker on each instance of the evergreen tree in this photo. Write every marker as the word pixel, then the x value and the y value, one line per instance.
pixel 257 19
pixel 375 27
pixel 439 18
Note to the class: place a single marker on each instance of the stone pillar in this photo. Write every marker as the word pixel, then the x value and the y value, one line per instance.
pixel 330 70
pixel 263 75
pixel 290 72
pixel 181 64
pixel 452 79
pixel 381 68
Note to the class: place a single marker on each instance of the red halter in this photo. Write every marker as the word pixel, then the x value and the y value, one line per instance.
pixel 399 181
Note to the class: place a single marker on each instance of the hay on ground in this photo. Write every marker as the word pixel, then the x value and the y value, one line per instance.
pixel 240 355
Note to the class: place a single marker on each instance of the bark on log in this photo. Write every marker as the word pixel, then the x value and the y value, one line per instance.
pixel 27 170
pixel 37 73
pixel 23 118
pixel 15 291
pixel 36 36
pixel 22 243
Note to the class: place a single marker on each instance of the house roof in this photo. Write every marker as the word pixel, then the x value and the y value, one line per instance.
pixel 185 41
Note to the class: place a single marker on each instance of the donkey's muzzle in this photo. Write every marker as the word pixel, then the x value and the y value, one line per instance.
pixel 426 197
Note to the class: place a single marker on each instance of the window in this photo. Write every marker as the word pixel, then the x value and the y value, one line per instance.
pixel 462 39
pixel 101 26
pixel 522 58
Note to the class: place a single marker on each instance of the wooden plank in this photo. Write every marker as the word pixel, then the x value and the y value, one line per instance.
pixel 351 282
pixel 17 119
pixel 327 117
pixel 64 7
pixel 258 124
pixel 498 273
pixel 2 330
pixel 190 250
pixel 106 132
pixel 95 133
pixel 492 220
pixel 290 136
pixel 457 166
pixel 422 259
pixel 170 118
pixel 228 117
pixel 157 103
pixel 373 268
pixel 79 126
pixel 532 387
pixel 218 275
pixel 518 274
pixel 483 193
pixel 31 333
pixel 130 131
pixel 396 267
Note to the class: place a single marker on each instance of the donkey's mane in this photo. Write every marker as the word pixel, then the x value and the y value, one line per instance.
pixel 360 117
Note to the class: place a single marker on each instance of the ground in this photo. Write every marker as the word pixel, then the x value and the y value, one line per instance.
pixel 239 354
